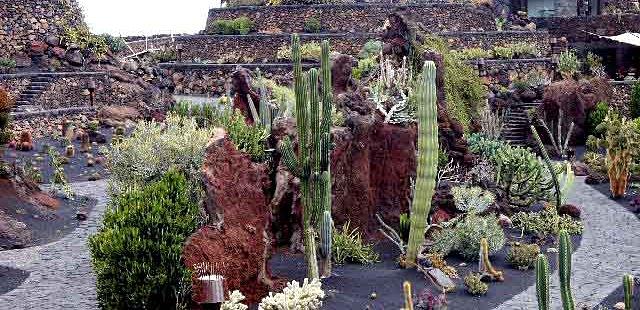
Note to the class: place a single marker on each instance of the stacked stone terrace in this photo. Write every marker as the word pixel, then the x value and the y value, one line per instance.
pixel 206 60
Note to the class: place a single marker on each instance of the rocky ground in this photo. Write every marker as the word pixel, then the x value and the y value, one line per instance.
pixel 60 273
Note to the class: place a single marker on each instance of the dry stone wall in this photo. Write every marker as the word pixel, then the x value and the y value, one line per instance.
pixel 339 18
pixel 23 21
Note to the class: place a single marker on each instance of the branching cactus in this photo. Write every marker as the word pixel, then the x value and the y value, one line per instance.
pixel 564 261
pixel 427 159
pixel 311 163
pixel 628 291
pixel 547 161
pixel 542 282
pixel 484 265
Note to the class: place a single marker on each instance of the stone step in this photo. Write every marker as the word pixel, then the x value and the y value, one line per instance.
pixel 27 108
pixel 22 102
pixel 45 83
pixel 38 87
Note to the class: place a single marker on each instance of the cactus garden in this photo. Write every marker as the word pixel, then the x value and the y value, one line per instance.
pixel 322 155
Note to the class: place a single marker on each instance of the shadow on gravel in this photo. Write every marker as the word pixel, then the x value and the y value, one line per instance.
pixel 11 278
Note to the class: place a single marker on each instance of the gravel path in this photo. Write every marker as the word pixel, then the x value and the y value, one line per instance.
pixel 60 272
pixel 610 248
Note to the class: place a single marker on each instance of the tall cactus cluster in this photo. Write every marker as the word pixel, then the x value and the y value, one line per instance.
pixel 547 161
pixel 427 159
pixel 542 276
pixel 311 163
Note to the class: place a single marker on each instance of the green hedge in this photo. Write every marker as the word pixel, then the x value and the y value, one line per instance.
pixel 240 25
pixel 136 254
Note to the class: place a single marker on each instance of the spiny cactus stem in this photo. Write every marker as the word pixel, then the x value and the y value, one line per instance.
pixel 628 291
pixel 542 282
pixel 547 161
pixel 565 271
pixel 408 295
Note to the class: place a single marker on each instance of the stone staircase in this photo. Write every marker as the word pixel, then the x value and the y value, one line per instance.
pixel 37 85
pixel 516 123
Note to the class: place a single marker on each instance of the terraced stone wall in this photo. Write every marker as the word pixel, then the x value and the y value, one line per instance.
pixel 575 28
pixel 359 17
pixel 23 21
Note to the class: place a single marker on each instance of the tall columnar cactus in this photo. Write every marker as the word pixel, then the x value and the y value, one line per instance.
pixel 547 161
pixel 427 159
pixel 542 282
pixel 408 295
pixel 564 261
pixel 326 229
pixel 311 163
pixel 628 291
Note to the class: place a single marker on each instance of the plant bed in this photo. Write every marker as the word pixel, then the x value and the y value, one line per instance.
pixel 43 222
pixel 76 169
pixel 351 285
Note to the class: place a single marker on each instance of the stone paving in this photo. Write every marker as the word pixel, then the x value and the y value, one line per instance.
pixel 61 275
pixel 60 272
pixel 610 248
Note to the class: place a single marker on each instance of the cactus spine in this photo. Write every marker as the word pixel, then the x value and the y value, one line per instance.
pixel 547 161
pixel 565 271
pixel 311 163
pixel 485 266
pixel 628 291
pixel 427 159
pixel 542 282
pixel 408 295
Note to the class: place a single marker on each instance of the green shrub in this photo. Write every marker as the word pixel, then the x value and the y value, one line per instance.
pixel 312 25
pixel 464 90
pixel 523 256
pixel 465 235
pixel 7 63
pixel 115 44
pixel 308 51
pixel 524 50
pixel 503 52
pixel 634 104
pixel 241 25
pixel 568 64
pixel 153 148
pixel 347 246
pixel 472 53
pixel 247 138
pixel 365 67
pixel 236 3
pixel 164 55
pixel 83 38
pixel 546 222
pixel 519 172
pixel 371 48
pixel 136 254
pixel 596 117
pixel 475 286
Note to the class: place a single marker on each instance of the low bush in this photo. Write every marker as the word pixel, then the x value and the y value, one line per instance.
pixel 82 37
pixel 464 236
pixel 365 67
pixel 307 296
pixel 240 25
pixel 475 286
pixel 472 198
pixel 136 254
pixel 546 222
pixel 347 246
pixel 312 25
pixel 7 63
pixel 153 148
pixel 115 44
pixel 164 55
pixel 310 51
pixel 371 48
pixel 472 53
pixel 568 64
pixel 523 256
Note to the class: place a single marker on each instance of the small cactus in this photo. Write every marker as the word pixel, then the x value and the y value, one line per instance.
pixel 628 291
pixel 485 266
pixel 69 151
pixel 408 295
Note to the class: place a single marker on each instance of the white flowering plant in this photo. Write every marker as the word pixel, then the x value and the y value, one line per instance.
pixel 234 302
pixel 295 297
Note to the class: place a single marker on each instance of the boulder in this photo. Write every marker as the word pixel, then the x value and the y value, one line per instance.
pixel 74 57
pixel 37 48
pixel 116 115
pixel 241 85
pixel 58 52
pixel 236 239
pixel 52 40
pixel 580 168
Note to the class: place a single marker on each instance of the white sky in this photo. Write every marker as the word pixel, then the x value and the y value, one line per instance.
pixel 146 17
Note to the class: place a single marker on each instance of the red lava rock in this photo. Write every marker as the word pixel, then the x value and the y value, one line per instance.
pixel 580 168
pixel 38 48
pixel 241 83
pixel 237 238
pixel 570 210
pixel 58 52
pixel 26 141
pixel 46 200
